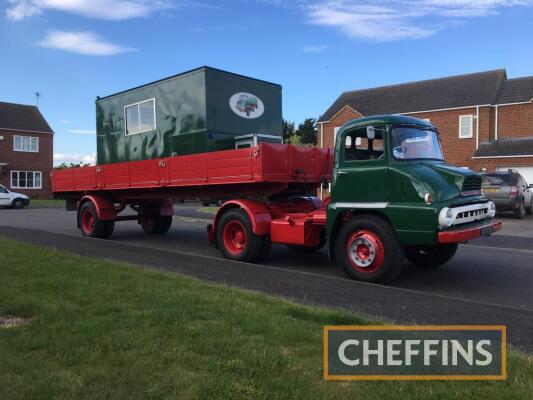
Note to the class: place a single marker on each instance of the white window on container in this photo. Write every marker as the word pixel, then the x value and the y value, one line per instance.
pixel 26 143
pixel 466 126
pixel 140 117
pixel 26 180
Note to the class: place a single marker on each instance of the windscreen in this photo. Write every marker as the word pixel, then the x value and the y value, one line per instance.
pixel 415 144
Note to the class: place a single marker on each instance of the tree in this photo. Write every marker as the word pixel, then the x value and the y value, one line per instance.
pixel 288 131
pixel 307 131
pixel 65 165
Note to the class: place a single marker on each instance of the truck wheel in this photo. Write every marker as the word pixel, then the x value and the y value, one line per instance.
pixel 156 224
pixel 17 204
pixel 431 256
pixel 520 211
pixel 368 250
pixel 236 239
pixel 91 225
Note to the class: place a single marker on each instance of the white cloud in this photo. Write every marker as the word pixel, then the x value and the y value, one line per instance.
pixel 314 48
pixel 100 9
pixel 65 121
pixel 75 158
pixel 88 43
pixel 83 131
pixel 387 20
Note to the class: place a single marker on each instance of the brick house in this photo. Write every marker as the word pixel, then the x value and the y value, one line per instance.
pixel 485 120
pixel 26 150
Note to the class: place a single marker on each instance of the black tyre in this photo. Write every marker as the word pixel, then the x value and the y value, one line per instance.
pixel 529 210
pixel 431 256
pixel 91 225
pixel 266 246
pixel 156 224
pixel 520 212
pixel 108 230
pixel 236 239
pixel 17 204
pixel 206 203
pixel 368 250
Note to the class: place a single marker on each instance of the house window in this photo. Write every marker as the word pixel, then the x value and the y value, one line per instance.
pixel 140 117
pixel 26 143
pixel 465 126
pixel 26 180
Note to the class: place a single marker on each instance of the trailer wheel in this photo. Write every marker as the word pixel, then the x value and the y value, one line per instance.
pixel 431 256
pixel 156 224
pixel 91 225
pixel 236 239
pixel 368 250
pixel 266 246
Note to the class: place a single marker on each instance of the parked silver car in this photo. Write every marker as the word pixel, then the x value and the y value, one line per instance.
pixel 509 191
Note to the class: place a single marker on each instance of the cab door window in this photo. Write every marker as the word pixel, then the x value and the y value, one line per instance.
pixel 357 147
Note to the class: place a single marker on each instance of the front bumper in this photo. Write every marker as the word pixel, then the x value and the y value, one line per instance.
pixel 460 233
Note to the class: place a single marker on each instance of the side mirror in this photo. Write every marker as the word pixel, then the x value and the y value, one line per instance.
pixel 370 133
pixel 531 185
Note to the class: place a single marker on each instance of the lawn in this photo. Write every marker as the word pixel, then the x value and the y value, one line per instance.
pixel 100 329
pixel 46 203
pixel 208 210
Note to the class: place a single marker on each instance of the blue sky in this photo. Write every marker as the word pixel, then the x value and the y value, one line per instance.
pixel 74 50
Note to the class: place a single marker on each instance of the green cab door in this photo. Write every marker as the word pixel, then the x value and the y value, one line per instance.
pixel 360 176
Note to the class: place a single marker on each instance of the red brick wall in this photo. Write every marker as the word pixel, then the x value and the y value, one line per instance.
pixel 515 120
pixel 490 164
pixel 339 119
pixel 25 161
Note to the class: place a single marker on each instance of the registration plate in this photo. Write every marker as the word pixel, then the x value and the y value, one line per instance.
pixel 485 231
pixel 491 190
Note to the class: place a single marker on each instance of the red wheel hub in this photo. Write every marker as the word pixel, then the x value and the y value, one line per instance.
pixel 365 251
pixel 87 222
pixel 234 236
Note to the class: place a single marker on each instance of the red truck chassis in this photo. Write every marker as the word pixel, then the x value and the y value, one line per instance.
pixel 277 171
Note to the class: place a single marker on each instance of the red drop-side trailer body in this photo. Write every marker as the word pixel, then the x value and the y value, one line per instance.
pixel 275 173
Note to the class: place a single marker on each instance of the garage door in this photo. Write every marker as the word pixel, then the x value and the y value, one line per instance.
pixel 526 172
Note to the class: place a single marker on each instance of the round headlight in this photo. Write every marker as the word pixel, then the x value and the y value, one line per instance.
pixel 492 209
pixel 446 217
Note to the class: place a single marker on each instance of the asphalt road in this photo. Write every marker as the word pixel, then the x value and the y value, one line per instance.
pixel 489 281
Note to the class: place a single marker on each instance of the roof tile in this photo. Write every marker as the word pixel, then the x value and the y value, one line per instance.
pixel 22 118
pixel 511 146
pixel 434 94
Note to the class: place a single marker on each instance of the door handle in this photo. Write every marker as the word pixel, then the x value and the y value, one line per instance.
pixel 342 173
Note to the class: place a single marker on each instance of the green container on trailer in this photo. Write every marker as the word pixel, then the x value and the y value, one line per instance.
pixel 194 112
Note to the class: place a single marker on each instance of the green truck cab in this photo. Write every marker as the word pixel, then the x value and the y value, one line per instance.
pixel 393 196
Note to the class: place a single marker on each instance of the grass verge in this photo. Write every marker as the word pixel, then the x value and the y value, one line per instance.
pixel 208 210
pixel 47 203
pixel 99 329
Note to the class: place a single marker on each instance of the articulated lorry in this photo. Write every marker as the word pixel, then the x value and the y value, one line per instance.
pixel 392 196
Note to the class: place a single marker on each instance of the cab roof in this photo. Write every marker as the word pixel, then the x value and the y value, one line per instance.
pixel 389 119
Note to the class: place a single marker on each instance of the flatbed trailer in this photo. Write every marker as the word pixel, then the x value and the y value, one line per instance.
pixel 392 197
pixel 285 173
